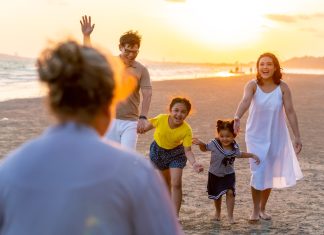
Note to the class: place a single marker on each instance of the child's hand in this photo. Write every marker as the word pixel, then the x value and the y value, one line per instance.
pixel 256 158
pixel 197 167
pixel 196 141
pixel 143 126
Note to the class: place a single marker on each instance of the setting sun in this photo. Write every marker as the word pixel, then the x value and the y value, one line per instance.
pixel 217 22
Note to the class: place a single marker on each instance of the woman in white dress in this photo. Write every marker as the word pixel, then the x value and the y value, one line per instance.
pixel 268 98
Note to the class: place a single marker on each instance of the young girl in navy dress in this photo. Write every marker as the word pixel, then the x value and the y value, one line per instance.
pixel 221 175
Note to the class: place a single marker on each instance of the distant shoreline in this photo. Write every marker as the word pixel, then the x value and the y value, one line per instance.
pixel 37 87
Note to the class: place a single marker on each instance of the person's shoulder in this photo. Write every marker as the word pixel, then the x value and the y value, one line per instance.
pixel 139 65
pixel 142 69
pixel 212 144
pixel 252 83
pixel 187 125
pixel 283 85
pixel 130 164
pixel 13 159
pixel 160 116
pixel 236 146
pixel 251 86
pixel 124 155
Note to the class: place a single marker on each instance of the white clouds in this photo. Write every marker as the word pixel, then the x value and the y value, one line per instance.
pixel 294 18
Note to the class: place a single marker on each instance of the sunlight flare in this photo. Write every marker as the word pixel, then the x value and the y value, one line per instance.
pixel 222 22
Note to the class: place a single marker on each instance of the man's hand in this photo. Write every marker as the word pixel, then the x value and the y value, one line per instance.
pixel 86 26
pixel 141 124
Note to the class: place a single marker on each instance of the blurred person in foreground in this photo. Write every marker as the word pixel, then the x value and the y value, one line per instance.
pixel 68 180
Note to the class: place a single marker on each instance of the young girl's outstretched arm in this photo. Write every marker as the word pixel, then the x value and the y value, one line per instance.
pixel 147 126
pixel 251 155
pixel 202 145
pixel 190 156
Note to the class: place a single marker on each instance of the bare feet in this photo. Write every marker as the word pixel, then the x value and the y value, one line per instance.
pixel 231 221
pixel 254 217
pixel 264 216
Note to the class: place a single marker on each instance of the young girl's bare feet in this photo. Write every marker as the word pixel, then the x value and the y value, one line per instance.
pixel 217 217
pixel 264 215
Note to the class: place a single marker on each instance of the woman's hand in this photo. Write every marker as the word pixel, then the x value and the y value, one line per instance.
pixel 237 124
pixel 256 158
pixel 298 145
pixel 197 167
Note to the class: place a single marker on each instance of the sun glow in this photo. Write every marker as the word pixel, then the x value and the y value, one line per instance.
pixel 228 22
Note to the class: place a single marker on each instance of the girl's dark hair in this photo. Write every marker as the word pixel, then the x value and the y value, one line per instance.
pixel 277 76
pixel 184 101
pixel 80 80
pixel 226 125
pixel 130 37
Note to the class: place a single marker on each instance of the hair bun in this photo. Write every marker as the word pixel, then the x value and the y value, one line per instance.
pixel 80 79
pixel 62 65
pixel 219 122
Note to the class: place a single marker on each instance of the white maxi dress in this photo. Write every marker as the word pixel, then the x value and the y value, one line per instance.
pixel 267 136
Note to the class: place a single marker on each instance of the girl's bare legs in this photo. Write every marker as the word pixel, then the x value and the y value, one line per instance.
pixel 218 207
pixel 263 202
pixel 167 178
pixel 230 202
pixel 176 187
pixel 256 197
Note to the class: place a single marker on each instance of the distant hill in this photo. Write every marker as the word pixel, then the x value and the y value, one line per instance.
pixel 305 62
pixel 13 57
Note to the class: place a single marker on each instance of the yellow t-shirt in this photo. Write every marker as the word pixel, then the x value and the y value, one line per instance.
pixel 168 138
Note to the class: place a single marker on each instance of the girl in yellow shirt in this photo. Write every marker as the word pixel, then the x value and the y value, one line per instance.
pixel 172 146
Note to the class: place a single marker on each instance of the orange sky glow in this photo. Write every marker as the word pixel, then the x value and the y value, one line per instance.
pixel 173 30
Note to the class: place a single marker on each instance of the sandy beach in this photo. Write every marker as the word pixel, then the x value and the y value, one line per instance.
pixel 297 210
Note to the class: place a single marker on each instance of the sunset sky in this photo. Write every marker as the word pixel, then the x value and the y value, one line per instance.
pixel 173 30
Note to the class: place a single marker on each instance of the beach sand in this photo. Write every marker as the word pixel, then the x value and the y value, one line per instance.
pixel 297 210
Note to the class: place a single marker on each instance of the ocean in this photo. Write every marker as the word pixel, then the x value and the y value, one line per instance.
pixel 18 77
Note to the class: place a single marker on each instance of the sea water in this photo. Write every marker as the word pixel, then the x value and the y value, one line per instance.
pixel 18 77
